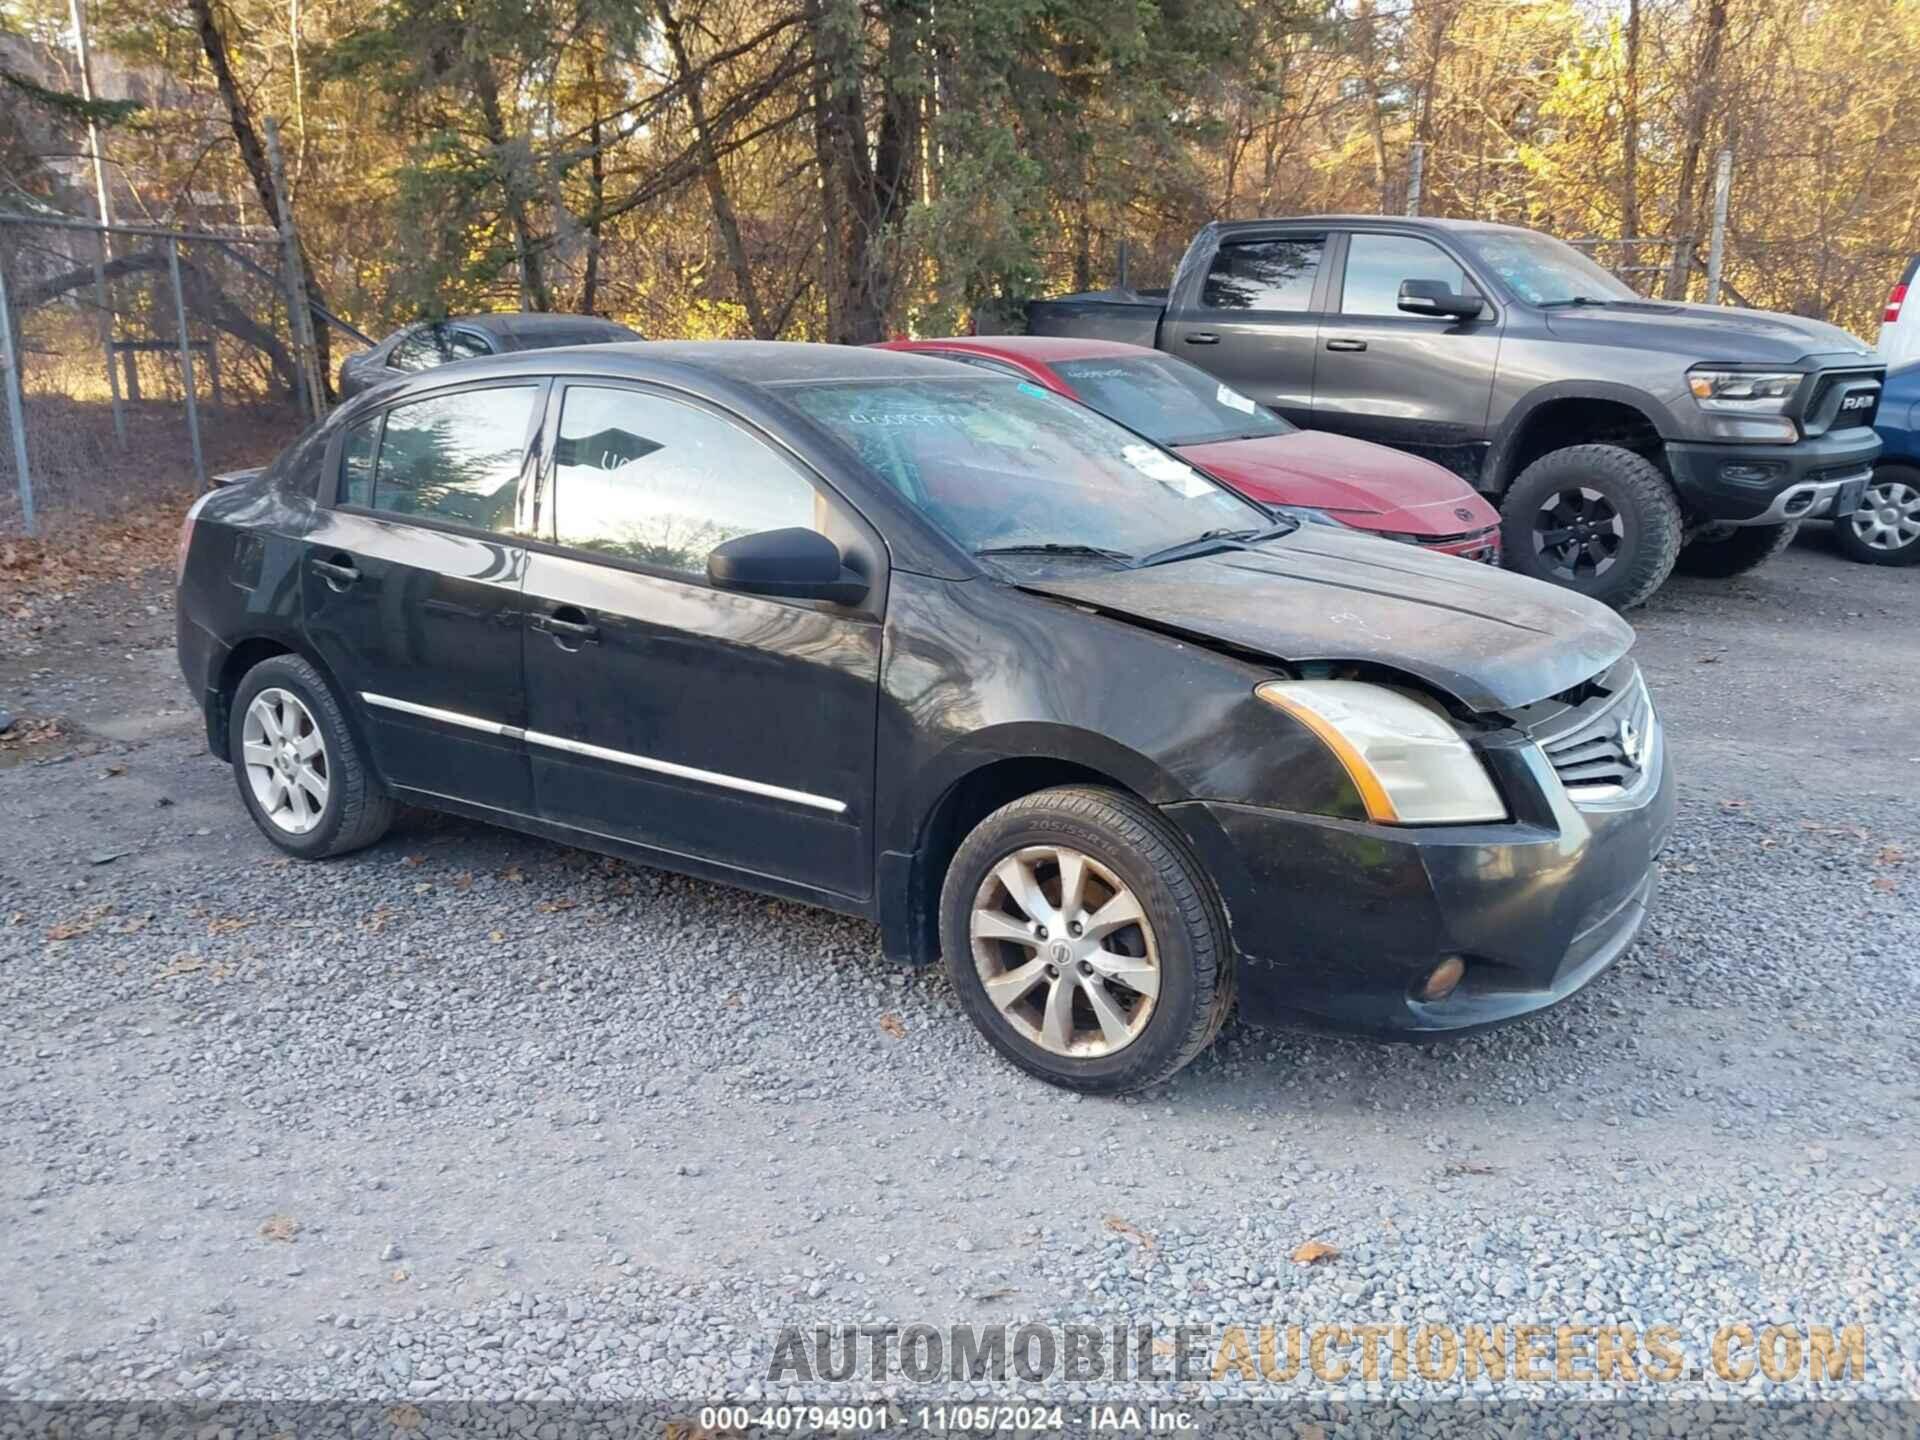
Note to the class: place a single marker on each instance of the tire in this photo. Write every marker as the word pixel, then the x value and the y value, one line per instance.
pixel 1618 515
pixel 299 730
pixel 1895 492
pixel 1726 550
pixel 1180 941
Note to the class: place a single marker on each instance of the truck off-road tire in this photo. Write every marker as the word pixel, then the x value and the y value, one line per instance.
pixel 1593 518
pixel 301 772
pixel 1885 530
pixel 1085 940
pixel 1722 550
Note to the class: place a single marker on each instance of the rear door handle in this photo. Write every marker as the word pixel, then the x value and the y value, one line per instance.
pixel 337 572
pixel 569 627
pixel 1346 344
pixel 1203 337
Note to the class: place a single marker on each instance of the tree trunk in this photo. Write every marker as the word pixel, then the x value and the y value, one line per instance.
pixel 1699 113
pixel 1630 145
pixel 724 218
pixel 254 155
pixel 533 280
pixel 596 190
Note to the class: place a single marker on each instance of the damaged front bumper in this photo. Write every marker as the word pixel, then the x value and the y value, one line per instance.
pixel 1339 923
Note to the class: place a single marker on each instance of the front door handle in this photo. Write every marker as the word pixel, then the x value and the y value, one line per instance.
pixel 1203 337
pixel 569 627
pixel 338 572
pixel 1346 344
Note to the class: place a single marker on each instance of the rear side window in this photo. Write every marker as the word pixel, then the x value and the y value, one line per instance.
pixel 455 457
pixel 1264 274
pixel 416 352
pixel 1377 264
pixel 660 483
pixel 466 345
pixel 356 463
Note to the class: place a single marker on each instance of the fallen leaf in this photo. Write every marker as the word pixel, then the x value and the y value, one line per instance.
pixel 113 770
pixel 1130 1231
pixel 893 1025
pixel 496 936
pixel 70 929
pixel 280 1227
pixel 1890 855
pixel 514 874
pixel 409 859
pixel 227 924
pixel 1886 884
pixel 548 907
pixel 405 1417
pixel 1314 1251
pixel 180 965
pixel 463 881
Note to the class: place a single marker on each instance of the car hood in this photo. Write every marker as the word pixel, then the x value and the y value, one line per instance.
pixel 1490 639
pixel 1352 479
pixel 1706 333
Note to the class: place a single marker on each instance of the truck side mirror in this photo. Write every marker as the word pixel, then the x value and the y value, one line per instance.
pixel 1436 297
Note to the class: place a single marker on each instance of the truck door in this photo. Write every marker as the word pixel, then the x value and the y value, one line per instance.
pixel 1417 382
pixel 1253 317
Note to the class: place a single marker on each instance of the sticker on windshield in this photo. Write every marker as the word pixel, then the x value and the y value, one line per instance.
pixel 1234 400
pixel 1181 479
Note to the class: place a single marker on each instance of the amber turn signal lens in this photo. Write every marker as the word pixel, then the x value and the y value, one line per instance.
pixel 1445 977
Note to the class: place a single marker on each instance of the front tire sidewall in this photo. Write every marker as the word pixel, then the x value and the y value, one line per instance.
pixel 287 673
pixel 1165 1045
pixel 1639 493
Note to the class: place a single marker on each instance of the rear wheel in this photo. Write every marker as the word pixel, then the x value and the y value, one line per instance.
pixel 301 772
pixel 1598 519
pixel 1885 530
pixel 1723 550
pixel 1085 941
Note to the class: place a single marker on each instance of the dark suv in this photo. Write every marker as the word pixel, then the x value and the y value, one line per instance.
pixel 1619 435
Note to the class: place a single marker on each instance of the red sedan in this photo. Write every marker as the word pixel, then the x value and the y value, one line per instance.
pixel 1249 447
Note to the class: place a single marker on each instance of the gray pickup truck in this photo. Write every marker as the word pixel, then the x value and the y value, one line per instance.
pixel 1619 436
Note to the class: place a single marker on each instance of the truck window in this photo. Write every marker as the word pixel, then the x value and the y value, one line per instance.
pixel 1264 274
pixel 1377 264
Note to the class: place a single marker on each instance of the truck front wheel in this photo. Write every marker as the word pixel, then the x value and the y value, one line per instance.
pixel 1593 518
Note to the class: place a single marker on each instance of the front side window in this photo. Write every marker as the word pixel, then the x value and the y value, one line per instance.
pixel 456 457
pixel 662 483
pixel 995 463
pixel 1378 264
pixel 1168 401
pixel 1264 274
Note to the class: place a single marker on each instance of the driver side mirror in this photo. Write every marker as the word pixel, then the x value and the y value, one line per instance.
pixel 1436 297
pixel 794 564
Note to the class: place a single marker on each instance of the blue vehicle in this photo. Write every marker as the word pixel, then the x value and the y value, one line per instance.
pixel 1885 530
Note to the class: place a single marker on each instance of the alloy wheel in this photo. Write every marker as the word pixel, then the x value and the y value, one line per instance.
pixel 1578 534
pixel 1888 517
pixel 1065 952
pixel 286 760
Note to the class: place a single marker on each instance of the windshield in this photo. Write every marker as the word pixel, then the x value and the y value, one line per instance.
pixel 1543 270
pixel 1168 401
pixel 996 463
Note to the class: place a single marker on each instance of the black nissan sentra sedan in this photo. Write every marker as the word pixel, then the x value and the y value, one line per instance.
pixel 928 645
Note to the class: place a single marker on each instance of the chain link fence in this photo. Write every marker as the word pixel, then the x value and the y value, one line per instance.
pixel 137 362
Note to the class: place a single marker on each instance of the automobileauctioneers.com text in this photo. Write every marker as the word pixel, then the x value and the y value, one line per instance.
pixel 1304 1356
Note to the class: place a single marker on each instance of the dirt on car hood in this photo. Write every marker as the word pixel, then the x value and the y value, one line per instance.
pixel 1490 639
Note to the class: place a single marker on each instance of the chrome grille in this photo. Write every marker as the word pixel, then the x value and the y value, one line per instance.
pixel 1604 752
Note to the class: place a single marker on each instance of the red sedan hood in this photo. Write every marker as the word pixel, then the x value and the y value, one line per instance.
pixel 1364 484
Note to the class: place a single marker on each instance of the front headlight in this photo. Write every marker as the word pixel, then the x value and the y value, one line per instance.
pixel 1407 761
pixel 1744 391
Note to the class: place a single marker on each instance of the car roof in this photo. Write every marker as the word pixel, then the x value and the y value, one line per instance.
pixel 1043 349
pixel 517 323
pixel 1379 222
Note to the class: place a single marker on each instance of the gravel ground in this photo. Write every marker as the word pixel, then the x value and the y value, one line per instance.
pixel 469 1116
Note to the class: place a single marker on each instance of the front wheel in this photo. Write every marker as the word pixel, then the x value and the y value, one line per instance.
pixel 1885 530
pixel 1593 518
pixel 1723 550
pixel 1085 941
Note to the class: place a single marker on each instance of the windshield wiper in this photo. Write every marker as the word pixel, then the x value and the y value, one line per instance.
pixel 1119 557
pixel 1574 300
pixel 1214 540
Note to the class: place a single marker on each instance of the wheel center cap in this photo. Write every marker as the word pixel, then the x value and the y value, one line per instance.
pixel 1890 515
pixel 1059 952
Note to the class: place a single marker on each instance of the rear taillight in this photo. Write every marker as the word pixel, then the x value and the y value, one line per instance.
pixel 186 537
pixel 1895 299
